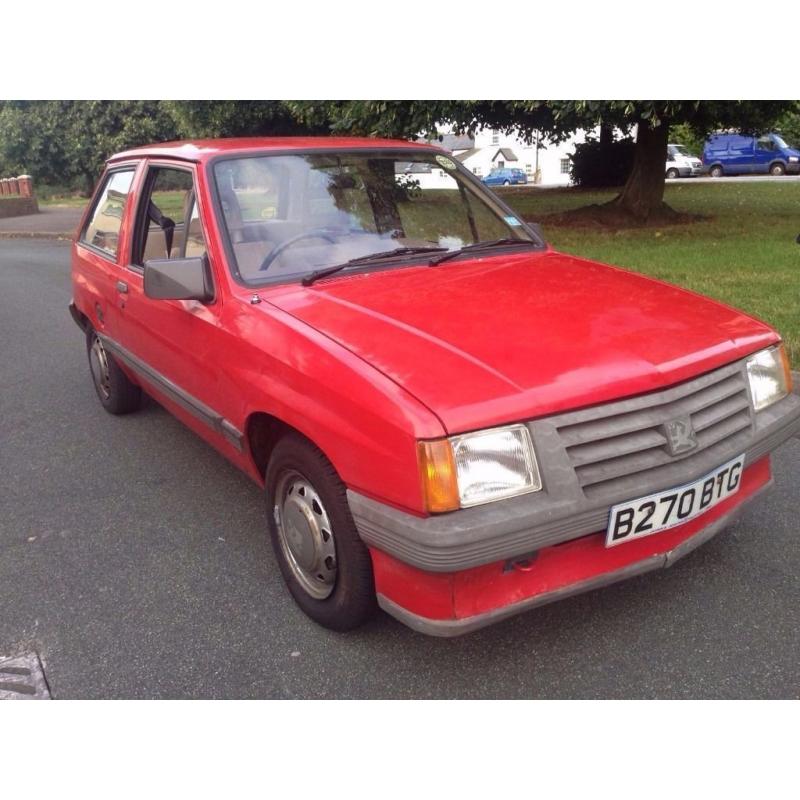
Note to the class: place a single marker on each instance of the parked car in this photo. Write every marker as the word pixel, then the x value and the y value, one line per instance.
pixel 505 177
pixel 681 163
pixel 734 154
pixel 445 414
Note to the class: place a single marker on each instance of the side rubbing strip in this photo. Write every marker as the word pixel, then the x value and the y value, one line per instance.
pixel 186 401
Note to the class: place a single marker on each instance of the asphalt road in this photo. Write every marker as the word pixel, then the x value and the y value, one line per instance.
pixel 133 558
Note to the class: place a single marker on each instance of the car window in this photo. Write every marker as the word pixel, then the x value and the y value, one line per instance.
pixel 102 229
pixel 289 215
pixel 170 221
pixel 765 143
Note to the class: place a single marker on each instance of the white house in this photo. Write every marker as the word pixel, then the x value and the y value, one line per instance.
pixel 544 162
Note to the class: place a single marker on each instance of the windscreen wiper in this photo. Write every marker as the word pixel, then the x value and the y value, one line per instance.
pixel 353 262
pixel 480 246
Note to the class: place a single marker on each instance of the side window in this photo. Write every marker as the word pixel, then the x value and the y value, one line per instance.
pixel 170 227
pixel 765 143
pixel 102 229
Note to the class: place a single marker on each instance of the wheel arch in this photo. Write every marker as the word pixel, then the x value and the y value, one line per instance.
pixel 262 431
pixel 776 162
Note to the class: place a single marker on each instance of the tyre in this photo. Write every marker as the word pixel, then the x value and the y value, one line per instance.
pixel 777 169
pixel 506 183
pixel 672 173
pixel 322 559
pixel 117 394
pixel 715 171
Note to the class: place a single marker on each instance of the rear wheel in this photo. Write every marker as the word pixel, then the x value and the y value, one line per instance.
pixel 715 171
pixel 326 566
pixel 117 394
pixel 672 173
pixel 777 169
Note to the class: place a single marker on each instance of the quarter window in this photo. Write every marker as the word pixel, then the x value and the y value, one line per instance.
pixel 102 230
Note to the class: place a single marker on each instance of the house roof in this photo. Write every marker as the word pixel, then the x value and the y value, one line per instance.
pixel 507 153
pixel 453 142
pixel 467 154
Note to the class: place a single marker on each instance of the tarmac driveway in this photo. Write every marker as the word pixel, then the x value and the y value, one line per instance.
pixel 134 560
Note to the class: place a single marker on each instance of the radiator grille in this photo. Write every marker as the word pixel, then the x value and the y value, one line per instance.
pixel 609 445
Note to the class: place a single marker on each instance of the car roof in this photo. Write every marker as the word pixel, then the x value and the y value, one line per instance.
pixel 203 150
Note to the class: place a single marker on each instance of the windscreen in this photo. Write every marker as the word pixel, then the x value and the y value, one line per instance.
pixel 287 216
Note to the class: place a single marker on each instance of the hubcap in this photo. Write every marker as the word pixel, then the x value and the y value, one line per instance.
pixel 305 534
pixel 98 360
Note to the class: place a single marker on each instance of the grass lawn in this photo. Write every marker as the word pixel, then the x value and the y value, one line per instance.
pixel 70 202
pixel 745 255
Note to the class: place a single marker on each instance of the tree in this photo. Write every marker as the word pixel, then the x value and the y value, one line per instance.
pixel 216 118
pixel 66 142
pixel 642 197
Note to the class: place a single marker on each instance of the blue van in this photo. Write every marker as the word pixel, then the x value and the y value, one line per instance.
pixel 734 154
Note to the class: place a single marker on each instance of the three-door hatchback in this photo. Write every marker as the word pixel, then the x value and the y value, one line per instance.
pixel 447 417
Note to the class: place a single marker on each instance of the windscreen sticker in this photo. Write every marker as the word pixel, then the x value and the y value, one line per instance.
pixel 513 221
pixel 445 162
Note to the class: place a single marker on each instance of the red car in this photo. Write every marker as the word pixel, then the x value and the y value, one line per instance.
pixel 447 416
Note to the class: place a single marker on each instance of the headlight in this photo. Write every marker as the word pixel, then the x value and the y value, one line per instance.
pixel 477 468
pixel 794 159
pixel 769 375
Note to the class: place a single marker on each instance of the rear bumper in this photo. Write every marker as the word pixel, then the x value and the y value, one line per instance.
pixel 457 603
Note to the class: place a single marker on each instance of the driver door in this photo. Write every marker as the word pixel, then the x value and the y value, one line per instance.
pixel 176 342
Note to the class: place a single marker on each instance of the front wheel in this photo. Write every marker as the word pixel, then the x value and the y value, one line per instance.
pixel 506 183
pixel 672 173
pixel 326 566
pixel 117 394
pixel 777 169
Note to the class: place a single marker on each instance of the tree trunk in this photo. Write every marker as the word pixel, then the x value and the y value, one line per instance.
pixel 643 192
pixel 606 135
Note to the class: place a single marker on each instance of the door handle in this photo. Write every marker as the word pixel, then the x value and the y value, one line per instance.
pixel 122 287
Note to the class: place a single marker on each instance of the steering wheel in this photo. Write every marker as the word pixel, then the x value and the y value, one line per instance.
pixel 314 233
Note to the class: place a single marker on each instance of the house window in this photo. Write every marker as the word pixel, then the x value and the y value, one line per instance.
pixel 529 169
pixel 501 164
pixel 565 166
pixel 476 171
pixel 495 137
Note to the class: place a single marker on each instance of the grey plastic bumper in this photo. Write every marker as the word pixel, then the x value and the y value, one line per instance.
pixel 458 627
pixel 522 525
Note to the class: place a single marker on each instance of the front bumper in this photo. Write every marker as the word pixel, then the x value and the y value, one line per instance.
pixel 459 603
pixel 582 479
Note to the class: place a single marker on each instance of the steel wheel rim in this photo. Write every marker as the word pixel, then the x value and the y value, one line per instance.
pixel 305 534
pixel 98 361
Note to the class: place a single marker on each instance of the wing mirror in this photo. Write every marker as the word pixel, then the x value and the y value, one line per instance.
pixel 178 279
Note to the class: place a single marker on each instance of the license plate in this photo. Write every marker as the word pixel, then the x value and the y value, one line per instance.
pixel 664 510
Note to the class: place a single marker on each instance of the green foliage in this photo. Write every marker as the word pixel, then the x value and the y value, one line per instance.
pixel 788 125
pixel 596 165
pixel 66 142
pixel 683 134
pixel 221 118
pixel 557 119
